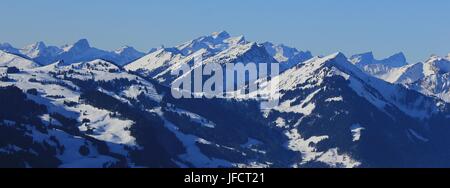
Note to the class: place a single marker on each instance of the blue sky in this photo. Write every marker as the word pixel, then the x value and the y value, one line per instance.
pixel 419 28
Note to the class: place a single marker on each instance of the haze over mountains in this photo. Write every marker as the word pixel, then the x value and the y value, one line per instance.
pixel 79 106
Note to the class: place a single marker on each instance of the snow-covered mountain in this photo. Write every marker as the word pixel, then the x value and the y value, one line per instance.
pixel 216 42
pixel 336 115
pixel 430 77
pixel 12 60
pixel 6 47
pixel 396 60
pixel 82 51
pixel 73 53
pixel 127 54
pixel 95 114
pixel 41 53
pixel 287 56
pixel 219 47
pixel 333 111
pixel 386 69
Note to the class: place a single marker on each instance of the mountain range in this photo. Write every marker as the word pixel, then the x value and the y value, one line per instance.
pixel 79 106
pixel 81 50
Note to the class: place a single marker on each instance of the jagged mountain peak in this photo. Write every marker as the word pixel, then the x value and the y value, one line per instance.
pixel 364 59
pixel 40 52
pixel 5 45
pixel 214 43
pixel 398 57
pixel 367 56
pixel 8 59
pixel 314 73
pixel 329 112
pixel 437 65
pixel 336 60
pixel 128 50
pixel 236 40
pixel 388 69
pixel 152 50
pixel 220 35
pixel 82 44
pixel 285 55
pixel 338 56
pixel 79 51
pixel 124 48
pixel 333 59
pixel 171 50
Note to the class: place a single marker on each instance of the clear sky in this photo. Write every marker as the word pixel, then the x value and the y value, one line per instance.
pixel 418 28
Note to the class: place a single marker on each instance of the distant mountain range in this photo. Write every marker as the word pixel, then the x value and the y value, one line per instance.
pixel 79 106
pixel 77 52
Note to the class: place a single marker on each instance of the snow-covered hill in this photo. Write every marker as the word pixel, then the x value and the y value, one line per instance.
pixel 287 56
pixel 12 60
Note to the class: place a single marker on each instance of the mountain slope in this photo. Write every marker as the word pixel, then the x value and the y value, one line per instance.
pixel 74 53
pixel 11 60
pixel 287 56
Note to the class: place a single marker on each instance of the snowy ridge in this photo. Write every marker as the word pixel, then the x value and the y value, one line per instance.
pixel 388 69
pixel 396 60
pixel 305 93
pixel 430 78
pixel 218 47
pixel 73 53
pixel 11 60
pixel 287 56
pixel 61 89
pixel 92 109
pixel 214 43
